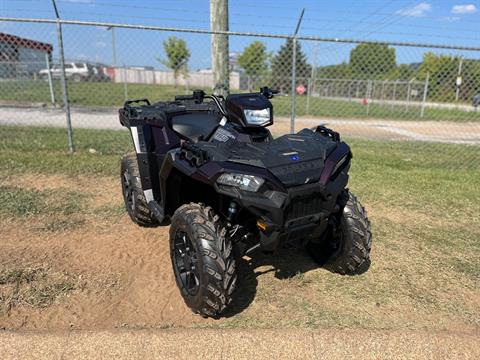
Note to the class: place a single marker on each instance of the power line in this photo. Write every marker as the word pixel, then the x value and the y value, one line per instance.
pixel 329 29
pixel 130 6
pixel 238 33
pixel 374 12
pixel 412 4
pixel 252 15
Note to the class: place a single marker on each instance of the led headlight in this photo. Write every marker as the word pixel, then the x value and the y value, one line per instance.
pixel 243 182
pixel 257 117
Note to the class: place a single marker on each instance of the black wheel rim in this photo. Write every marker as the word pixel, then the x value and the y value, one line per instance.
pixel 336 242
pixel 185 261
pixel 128 191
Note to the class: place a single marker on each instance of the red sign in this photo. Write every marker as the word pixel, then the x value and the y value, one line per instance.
pixel 301 89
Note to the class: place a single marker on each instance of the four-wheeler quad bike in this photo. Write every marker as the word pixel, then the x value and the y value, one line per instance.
pixel 209 167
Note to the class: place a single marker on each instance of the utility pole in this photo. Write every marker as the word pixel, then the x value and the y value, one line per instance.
pixel 459 79
pixel 219 22
pixel 114 48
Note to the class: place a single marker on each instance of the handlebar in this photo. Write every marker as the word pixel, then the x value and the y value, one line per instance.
pixel 199 95
pixel 267 92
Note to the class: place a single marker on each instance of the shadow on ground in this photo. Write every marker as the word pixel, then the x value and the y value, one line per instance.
pixel 286 263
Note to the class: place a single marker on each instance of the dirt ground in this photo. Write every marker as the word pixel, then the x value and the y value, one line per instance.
pixel 122 271
pixel 238 344
pixel 429 131
pixel 94 269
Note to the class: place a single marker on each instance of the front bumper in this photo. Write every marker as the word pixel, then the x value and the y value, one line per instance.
pixel 301 212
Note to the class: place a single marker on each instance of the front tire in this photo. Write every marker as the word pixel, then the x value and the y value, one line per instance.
pixel 133 196
pixel 202 259
pixel 346 250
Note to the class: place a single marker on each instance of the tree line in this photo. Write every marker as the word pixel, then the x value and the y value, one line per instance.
pixel 366 62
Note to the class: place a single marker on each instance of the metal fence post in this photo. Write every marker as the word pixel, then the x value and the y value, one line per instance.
pixel 50 82
pixel 125 86
pixel 408 95
pixel 66 104
pixel 394 94
pixel 294 73
pixel 368 95
pixel 311 80
pixel 294 80
pixel 383 93
pixel 425 92
pixel 459 79
pixel 114 48
pixel 309 90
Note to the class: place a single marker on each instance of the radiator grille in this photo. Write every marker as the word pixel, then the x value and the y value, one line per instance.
pixel 304 206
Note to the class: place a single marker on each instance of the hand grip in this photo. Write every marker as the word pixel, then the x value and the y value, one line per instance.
pixel 138 101
pixel 184 97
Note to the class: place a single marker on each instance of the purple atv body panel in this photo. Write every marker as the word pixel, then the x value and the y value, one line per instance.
pixel 332 160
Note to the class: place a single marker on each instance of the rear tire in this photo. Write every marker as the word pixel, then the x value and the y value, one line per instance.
pixel 133 196
pixel 347 250
pixel 202 259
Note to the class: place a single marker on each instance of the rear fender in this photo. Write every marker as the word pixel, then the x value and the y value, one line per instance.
pixel 151 143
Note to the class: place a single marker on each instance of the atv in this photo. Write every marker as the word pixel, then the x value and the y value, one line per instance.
pixel 209 167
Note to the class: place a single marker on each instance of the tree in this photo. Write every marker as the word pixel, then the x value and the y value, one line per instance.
pixel 340 71
pixel 442 70
pixel 177 56
pixel 405 72
pixel 471 79
pixel 282 66
pixel 254 60
pixel 372 61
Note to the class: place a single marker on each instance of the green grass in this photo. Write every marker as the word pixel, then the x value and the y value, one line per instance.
pixel 90 94
pixel 422 199
pixel 54 210
pixel 44 150
pixel 355 110
pixel 35 286
pixel 112 95
pixel 19 202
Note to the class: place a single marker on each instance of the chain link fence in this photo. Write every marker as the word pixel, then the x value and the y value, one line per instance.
pixel 372 91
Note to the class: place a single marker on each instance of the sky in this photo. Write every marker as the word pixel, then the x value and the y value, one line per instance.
pixel 452 22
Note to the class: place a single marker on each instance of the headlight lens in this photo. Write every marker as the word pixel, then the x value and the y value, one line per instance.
pixel 257 117
pixel 243 182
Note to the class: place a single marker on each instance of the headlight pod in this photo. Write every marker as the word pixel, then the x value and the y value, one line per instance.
pixel 257 117
pixel 243 182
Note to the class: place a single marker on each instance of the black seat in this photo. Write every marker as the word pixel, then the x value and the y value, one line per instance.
pixel 195 126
